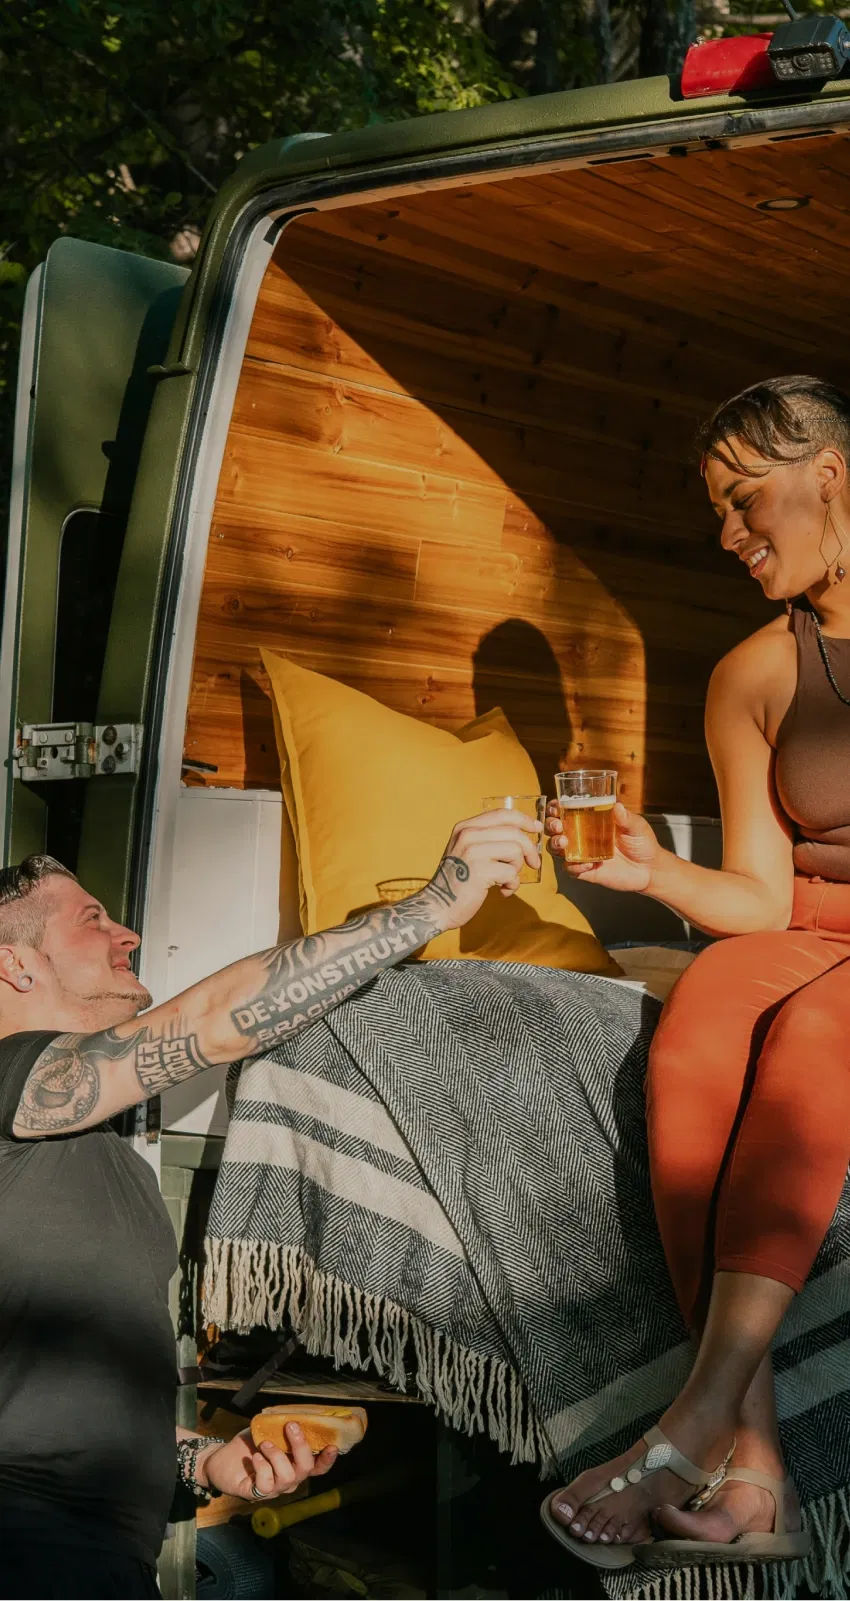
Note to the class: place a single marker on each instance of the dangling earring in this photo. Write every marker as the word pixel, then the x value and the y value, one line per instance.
pixel 840 574
pixel 25 981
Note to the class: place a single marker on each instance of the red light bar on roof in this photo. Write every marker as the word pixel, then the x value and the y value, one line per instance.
pixel 727 66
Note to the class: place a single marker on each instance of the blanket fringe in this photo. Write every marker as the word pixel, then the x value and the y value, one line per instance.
pixel 825 1572
pixel 256 1284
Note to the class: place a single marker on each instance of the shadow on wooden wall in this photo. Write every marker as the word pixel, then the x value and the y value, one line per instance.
pixel 515 667
pixel 459 471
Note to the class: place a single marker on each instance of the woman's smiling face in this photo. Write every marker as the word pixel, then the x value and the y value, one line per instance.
pixel 775 515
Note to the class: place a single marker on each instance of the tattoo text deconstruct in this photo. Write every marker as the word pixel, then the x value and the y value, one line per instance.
pixel 311 976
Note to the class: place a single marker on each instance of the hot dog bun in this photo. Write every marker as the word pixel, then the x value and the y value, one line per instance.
pixel 341 1426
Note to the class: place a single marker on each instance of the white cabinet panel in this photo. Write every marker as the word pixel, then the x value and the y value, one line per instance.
pixel 224 905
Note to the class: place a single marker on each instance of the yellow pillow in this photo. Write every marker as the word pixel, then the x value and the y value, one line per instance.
pixel 373 795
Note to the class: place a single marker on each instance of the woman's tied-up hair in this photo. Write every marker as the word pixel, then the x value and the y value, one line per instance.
pixel 782 420
pixel 22 919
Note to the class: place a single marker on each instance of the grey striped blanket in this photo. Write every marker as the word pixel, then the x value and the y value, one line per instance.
pixel 446 1180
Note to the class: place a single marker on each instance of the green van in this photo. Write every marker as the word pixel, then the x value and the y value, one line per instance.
pixel 419 416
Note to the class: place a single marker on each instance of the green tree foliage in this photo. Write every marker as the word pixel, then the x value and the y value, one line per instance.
pixel 565 44
pixel 549 45
pixel 120 119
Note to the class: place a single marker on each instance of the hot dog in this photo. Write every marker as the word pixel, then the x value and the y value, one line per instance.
pixel 340 1426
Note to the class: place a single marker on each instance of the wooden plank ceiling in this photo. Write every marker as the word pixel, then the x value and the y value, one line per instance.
pixel 459 470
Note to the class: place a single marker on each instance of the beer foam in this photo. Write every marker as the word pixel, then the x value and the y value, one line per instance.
pixel 586 803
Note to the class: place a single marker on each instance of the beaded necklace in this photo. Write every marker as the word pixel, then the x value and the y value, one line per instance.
pixel 826 661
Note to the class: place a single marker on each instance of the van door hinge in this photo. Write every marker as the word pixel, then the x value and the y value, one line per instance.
pixel 76 750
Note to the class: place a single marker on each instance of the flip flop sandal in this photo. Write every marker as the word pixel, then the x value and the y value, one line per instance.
pixel 660 1453
pixel 780 1546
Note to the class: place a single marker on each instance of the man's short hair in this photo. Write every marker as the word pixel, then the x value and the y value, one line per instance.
pixel 22 917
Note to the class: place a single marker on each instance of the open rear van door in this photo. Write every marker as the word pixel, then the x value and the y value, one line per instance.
pixel 96 322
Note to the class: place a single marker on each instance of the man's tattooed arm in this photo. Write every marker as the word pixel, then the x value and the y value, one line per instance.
pixel 81 1079
pixel 302 981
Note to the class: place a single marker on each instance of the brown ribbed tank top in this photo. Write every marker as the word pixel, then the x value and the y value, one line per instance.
pixel 813 755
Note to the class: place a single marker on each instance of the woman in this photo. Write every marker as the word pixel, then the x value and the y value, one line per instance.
pixel 748 1089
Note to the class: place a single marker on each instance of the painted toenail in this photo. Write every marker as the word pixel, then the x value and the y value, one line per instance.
pixel 590 1535
pixel 604 1538
pixel 577 1527
pixel 565 1510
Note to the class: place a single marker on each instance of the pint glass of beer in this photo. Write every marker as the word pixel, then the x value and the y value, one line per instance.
pixel 533 806
pixel 587 796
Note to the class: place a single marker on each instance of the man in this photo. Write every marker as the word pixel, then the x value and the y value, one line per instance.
pixel 87 1369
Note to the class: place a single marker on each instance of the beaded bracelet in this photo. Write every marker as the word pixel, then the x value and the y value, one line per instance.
pixel 187 1462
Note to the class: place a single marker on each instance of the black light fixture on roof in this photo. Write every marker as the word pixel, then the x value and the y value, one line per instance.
pixel 808 48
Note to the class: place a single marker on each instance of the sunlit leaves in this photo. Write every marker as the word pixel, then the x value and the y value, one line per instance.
pixel 121 118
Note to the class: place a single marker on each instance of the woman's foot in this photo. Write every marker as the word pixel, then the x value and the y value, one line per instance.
pixel 736 1508
pixel 623 1517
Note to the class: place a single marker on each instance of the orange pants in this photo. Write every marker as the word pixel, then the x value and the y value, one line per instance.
pixel 748 1100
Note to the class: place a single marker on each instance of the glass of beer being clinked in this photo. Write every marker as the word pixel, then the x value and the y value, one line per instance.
pixel 586 797
pixel 533 806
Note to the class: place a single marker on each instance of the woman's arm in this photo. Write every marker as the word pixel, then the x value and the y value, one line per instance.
pixel 753 890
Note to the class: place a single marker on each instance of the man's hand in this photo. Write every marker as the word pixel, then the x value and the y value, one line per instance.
pixel 485 852
pixel 636 852
pixel 260 1474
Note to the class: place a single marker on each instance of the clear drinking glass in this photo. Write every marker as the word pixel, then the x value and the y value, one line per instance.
pixel 586 796
pixel 392 890
pixel 533 806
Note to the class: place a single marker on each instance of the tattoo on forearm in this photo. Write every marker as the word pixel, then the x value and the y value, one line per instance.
pixel 452 870
pixel 300 982
pixel 309 977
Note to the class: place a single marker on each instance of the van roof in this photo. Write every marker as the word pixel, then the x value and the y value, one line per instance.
pixel 607 122
pixel 637 103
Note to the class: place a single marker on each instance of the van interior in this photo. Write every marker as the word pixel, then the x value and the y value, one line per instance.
pixel 459 474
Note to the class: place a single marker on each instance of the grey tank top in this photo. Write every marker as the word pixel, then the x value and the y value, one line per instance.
pixel 813 755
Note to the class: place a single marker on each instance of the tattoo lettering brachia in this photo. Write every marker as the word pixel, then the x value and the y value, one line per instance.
pixel 298 983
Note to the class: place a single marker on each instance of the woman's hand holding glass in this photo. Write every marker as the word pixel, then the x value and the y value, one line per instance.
pixel 636 852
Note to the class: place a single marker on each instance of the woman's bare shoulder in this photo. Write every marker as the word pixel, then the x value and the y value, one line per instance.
pixel 761 653
pixel 760 672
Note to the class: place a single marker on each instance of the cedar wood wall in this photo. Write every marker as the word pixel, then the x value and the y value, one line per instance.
pixel 458 472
